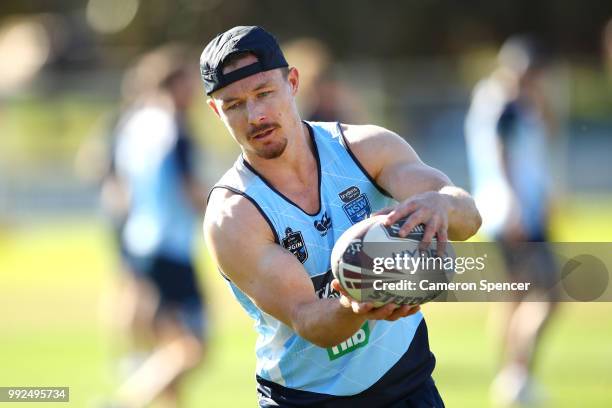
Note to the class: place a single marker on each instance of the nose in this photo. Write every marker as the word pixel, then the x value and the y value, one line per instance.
pixel 255 112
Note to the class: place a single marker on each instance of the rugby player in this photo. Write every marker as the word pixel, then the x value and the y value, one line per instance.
pixel 272 221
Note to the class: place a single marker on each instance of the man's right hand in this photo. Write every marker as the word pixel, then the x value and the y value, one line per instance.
pixel 390 312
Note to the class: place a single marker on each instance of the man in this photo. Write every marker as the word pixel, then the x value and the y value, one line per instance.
pixel 272 221
pixel 509 129
pixel 161 302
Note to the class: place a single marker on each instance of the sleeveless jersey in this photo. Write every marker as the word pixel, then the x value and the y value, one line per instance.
pixel 347 195
pixel 152 156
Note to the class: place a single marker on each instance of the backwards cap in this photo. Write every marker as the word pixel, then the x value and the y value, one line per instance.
pixel 241 39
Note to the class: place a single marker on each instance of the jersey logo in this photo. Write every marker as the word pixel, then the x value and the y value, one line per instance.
pixel 322 285
pixel 357 340
pixel 356 207
pixel 294 243
pixel 324 224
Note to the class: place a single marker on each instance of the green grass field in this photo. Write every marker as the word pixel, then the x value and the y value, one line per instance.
pixel 54 274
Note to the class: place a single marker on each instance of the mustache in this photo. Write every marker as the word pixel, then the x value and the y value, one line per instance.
pixel 254 130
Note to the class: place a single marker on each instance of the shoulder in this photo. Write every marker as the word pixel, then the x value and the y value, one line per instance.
pixel 372 140
pixel 356 134
pixel 489 97
pixel 229 215
pixel 147 129
pixel 154 118
pixel 375 146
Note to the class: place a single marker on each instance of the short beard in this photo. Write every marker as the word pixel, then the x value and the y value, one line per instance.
pixel 273 152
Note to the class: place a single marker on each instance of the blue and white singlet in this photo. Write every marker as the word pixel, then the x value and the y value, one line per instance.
pixel 382 357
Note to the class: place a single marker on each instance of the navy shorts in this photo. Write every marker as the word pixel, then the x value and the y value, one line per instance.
pixel 177 286
pixel 424 396
pixel 532 261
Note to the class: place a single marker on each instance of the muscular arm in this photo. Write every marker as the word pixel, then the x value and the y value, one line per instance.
pixel 396 167
pixel 242 244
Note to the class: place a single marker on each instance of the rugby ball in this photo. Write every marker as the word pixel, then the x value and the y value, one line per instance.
pixel 374 264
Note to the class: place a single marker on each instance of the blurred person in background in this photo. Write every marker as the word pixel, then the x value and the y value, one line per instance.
pixel 508 130
pixel 323 97
pixel 154 195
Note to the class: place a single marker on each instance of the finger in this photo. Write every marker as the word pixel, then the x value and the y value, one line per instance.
pixel 361 307
pixel 430 229
pixel 415 219
pixel 413 310
pixel 335 284
pixel 401 211
pixel 384 211
pixel 383 312
pixel 346 302
pixel 398 313
pixel 442 238
pixel 405 310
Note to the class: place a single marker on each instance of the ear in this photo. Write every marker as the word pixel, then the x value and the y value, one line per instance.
pixel 293 77
pixel 211 103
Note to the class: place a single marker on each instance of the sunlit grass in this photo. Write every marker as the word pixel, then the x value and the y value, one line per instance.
pixel 53 275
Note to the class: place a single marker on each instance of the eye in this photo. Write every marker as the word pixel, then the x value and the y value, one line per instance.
pixel 264 94
pixel 234 106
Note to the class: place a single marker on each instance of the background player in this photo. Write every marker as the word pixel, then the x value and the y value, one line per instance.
pixel 154 175
pixel 508 131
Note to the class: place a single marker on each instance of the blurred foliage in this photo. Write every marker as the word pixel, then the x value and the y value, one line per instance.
pixel 353 27
pixel 81 78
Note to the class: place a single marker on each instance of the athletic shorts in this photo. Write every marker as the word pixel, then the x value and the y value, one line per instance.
pixel 534 262
pixel 424 396
pixel 177 286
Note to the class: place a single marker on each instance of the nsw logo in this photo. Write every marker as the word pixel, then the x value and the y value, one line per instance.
pixel 356 207
pixel 324 224
pixel 294 243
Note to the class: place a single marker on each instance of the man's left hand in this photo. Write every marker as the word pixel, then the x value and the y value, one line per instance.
pixel 429 208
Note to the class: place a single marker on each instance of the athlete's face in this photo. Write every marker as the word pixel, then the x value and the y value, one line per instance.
pixel 259 110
